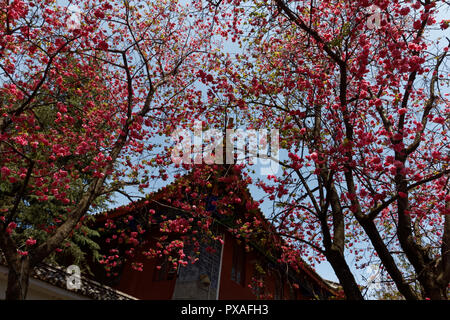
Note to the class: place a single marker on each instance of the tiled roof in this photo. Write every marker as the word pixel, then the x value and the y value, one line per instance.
pixel 57 276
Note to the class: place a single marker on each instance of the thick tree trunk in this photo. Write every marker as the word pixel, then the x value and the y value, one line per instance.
pixel 334 248
pixel 18 279
pixel 416 254
pixel 344 274
pixel 387 259
pixel 443 278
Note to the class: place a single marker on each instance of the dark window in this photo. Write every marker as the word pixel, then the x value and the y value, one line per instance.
pixel 238 266
pixel 164 270
pixel 211 203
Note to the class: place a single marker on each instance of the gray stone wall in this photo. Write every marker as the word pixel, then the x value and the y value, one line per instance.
pixel 201 279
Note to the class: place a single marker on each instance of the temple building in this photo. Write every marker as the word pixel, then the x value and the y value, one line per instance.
pixel 234 268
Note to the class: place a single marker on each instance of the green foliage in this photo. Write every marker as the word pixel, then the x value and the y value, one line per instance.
pixel 37 218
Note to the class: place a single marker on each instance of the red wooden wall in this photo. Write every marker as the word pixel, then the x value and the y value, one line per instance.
pixel 143 285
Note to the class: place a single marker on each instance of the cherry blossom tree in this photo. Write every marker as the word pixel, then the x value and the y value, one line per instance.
pixel 355 88
pixel 363 112
pixel 81 99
